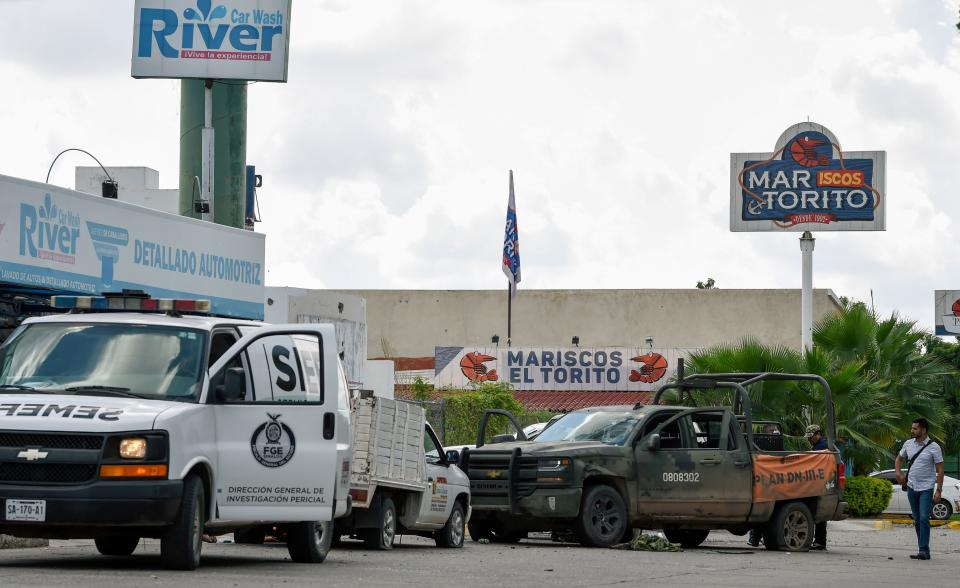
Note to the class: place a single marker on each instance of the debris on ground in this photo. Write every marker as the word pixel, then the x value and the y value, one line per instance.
pixel 645 542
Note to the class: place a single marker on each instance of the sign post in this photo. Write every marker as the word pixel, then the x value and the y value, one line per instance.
pixel 808 183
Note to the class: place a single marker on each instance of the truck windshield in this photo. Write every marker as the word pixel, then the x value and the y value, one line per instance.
pixel 611 428
pixel 105 359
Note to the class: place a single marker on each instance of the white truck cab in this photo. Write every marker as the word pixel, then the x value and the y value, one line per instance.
pixel 121 425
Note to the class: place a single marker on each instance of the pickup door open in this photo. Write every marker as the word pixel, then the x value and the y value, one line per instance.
pixel 692 464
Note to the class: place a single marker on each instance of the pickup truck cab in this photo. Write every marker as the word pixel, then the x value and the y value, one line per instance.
pixel 604 471
pixel 121 425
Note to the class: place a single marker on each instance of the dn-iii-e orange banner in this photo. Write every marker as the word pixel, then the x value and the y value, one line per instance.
pixel 776 477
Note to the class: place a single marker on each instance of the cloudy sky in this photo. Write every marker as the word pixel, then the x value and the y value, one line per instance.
pixel 385 157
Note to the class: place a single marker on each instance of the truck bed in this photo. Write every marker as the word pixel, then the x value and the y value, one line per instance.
pixel 387 444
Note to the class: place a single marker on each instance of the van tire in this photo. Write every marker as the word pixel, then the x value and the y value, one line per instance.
pixel 253 536
pixel 790 529
pixel 117 545
pixel 687 538
pixel 309 542
pixel 603 517
pixel 382 536
pixel 451 535
pixel 182 541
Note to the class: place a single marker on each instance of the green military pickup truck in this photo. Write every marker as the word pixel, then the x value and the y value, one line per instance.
pixel 603 472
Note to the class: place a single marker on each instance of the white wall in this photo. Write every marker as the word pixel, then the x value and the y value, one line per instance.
pixel 137 185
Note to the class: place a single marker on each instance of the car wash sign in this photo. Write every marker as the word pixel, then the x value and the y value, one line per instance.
pixel 63 241
pixel 613 369
pixel 226 39
pixel 808 184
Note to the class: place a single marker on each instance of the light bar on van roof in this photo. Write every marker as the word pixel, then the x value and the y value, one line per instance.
pixel 130 303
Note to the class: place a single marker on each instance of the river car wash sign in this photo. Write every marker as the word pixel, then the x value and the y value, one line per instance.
pixel 808 184
pixel 57 239
pixel 225 39
pixel 947 319
pixel 613 369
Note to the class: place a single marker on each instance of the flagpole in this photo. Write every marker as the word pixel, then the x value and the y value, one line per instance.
pixel 509 309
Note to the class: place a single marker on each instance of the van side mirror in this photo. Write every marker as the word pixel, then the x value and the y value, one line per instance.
pixel 234 387
pixel 453 456
pixel 653 443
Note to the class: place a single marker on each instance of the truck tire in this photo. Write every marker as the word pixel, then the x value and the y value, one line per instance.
pixel 181 542
pixel 382 537
pixel 790 529
pixel 451 535
pixel 479 529
pixel 687 538
pixel 253 536
pixel 118 545
pixel 309 542
pixel 941 511
pixel 603 517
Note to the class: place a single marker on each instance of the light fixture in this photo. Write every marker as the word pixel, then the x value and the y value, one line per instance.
pixel 495 340
pixel 109 187
pixel 575 341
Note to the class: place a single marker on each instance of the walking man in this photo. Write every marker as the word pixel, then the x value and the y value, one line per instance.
pixel 924 480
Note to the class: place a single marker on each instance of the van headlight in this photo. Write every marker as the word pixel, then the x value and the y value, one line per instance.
pixel 133 448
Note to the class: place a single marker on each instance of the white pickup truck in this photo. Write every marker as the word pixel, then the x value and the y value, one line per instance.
pixel 154 422
pixel 400 480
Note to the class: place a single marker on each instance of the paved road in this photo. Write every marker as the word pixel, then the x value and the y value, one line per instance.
pixel 857 557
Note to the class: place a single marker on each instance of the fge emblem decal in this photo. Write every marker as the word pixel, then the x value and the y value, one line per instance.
pixel 273 443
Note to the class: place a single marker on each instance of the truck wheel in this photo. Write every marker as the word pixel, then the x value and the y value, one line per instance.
pixel 382 537
pixel 117 545
pixel 181 542
pixel 941 511
pixel 249 536
pixel 451 535
pixel 479 529
pixel 686 537
pixel 309 542
pixel 603 517
pixel 790 529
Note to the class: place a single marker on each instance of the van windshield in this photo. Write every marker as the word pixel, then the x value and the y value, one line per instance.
pixel 612 428
pixel 146 361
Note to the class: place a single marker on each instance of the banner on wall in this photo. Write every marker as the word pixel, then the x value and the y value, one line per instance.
pixel 614 369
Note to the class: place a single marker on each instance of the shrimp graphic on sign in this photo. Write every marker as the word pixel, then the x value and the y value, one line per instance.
pixel 474 369
pixel 653 367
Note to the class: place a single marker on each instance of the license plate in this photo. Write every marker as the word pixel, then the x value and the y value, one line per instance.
pixel 26 510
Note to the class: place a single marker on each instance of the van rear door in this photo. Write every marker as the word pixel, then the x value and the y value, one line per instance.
pixel 274 395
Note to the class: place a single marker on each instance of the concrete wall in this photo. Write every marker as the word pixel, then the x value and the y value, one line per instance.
pixel 137 185
pixel 410 323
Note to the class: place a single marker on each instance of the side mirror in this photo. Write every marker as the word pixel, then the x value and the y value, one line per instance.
pixel 234 388
pixel 653 443
pixel 453 456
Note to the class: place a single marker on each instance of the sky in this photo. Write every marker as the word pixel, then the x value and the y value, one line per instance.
pixel 385 157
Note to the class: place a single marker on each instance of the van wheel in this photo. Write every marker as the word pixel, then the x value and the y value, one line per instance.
pixel 790 529
pixel 603 517
pixel 686 537
pixel 181 542
pixel 382 537
pixel 309 542
pixel 451 535
pixel 119 545
pixel 249 536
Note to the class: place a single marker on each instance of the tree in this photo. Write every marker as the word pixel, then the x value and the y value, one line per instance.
pixel 879 378
pixel 710 284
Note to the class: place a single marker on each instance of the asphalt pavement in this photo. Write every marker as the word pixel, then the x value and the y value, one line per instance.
pixel 858 555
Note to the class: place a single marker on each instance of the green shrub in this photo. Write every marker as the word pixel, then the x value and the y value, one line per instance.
pixel 465 407
pixel 867 496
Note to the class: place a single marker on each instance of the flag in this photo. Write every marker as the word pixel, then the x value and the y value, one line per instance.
pixel 511 243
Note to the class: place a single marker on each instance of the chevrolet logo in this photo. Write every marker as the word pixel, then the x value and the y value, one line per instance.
pixel 32 454
pixel 493 474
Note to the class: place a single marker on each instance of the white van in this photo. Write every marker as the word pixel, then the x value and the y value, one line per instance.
pixel 157 423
